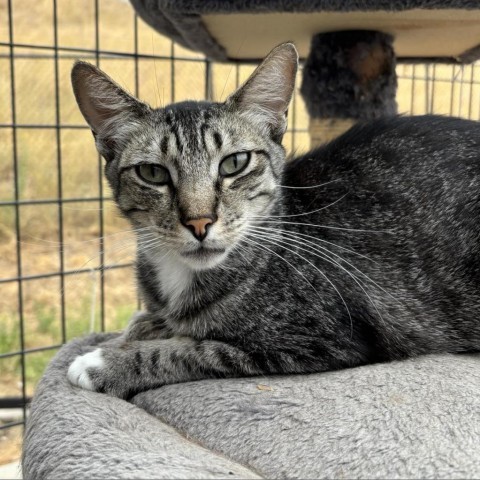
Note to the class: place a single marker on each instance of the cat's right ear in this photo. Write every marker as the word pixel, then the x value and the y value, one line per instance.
pixel 111 112
pixel 265 96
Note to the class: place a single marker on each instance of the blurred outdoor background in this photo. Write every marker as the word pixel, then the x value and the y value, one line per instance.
pixel 58 278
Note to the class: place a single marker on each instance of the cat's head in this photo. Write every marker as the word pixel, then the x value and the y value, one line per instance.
pixel 192 175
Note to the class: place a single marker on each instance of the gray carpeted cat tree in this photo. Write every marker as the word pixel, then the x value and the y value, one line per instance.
pixel 413 419
pixel 350 46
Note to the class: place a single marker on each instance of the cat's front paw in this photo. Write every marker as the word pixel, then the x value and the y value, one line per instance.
pixel 84 368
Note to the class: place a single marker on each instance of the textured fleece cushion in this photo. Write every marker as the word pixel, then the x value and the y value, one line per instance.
pixel 418 418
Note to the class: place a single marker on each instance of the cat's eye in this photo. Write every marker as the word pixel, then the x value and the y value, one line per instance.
pixel 234 164
pixel 152 173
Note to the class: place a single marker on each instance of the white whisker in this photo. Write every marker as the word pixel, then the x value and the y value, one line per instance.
pixel 309 186
pixel 330 227
pixel 315 267
pixel 56 244
pixel 294 234
pixel 319 240
pixel 303 213
pixel 292 243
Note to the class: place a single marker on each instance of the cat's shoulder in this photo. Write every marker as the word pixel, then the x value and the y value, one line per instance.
pixel 433 131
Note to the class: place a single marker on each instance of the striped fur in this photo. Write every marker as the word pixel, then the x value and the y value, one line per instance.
pixel 365 250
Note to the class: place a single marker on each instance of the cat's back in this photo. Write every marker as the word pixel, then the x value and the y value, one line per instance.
pixel 400 200
pixel 397 145
pixel 418 168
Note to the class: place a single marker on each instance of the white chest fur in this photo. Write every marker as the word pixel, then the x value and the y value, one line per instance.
pixel 175 279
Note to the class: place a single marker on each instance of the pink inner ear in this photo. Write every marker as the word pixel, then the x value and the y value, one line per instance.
pixel 112 113
pixel 93 114
pixel 99 102
pixel 265 96
pixel 100 99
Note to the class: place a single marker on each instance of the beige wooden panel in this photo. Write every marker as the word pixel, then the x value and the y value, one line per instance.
pixel 418 33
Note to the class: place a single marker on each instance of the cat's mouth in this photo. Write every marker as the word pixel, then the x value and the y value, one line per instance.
pixel 202 258
pixel 203 253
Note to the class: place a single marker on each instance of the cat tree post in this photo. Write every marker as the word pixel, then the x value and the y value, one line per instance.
pixel 348 76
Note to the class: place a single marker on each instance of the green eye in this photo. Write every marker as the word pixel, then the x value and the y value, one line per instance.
pixel 153 173
pixel 234 164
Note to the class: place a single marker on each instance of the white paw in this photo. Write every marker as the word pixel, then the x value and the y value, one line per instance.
pixel 78 370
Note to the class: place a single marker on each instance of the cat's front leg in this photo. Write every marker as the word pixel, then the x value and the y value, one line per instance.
pixel 146 326
pixel 142 326
pixel 124 370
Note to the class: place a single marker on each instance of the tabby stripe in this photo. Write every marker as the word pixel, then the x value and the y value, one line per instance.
pixel 260 360
pixel 176 134
pixel 228 363
pixel 148 280
pixel 130 393
pixel 164 145
pixel 203 131
pixel 138 364
pixel 102 387
pixel 123 169
pixel 189 364
pixel 169 118
pixel 217 138
pixel 174 358
pixel 254 187
pixel 269 158
pixel 240 181
pixel 154 359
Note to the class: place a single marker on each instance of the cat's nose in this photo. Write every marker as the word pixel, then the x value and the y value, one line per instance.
pixel 199 225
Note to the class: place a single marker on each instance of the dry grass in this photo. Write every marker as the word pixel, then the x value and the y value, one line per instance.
pixel 10 444
pixel 38 178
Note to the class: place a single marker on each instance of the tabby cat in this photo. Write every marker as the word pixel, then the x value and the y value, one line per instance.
pixel 364 250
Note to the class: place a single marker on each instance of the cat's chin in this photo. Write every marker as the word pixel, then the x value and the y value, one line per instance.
pixel 204 258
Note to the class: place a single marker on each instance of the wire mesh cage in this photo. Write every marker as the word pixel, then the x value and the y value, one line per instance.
pixel 66 255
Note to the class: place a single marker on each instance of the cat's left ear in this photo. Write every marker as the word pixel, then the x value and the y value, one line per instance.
pixel 265 96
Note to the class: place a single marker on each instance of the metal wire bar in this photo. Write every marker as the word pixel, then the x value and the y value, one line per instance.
pixel 59 174
pixel 471 82
pixel 412 91
pixel 13 402
pixel 172 72
pixel 46 201
pixel 65 272
pixel 96 52
pixel 30 350
pixel 43 126
pixel 101 224
pixel 427 89
pixel 435 78
pixel 13 424
pixel 460 95
pixel 208 80
pixel 432 90
pixel 452 90
pixel 237 75
pixel 17 211
pixel 137 94
pixel 294 117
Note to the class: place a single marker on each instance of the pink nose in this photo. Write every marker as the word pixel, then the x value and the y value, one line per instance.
pixel 199 226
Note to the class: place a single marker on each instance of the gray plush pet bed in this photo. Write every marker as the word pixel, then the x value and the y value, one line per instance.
pixel 418 418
